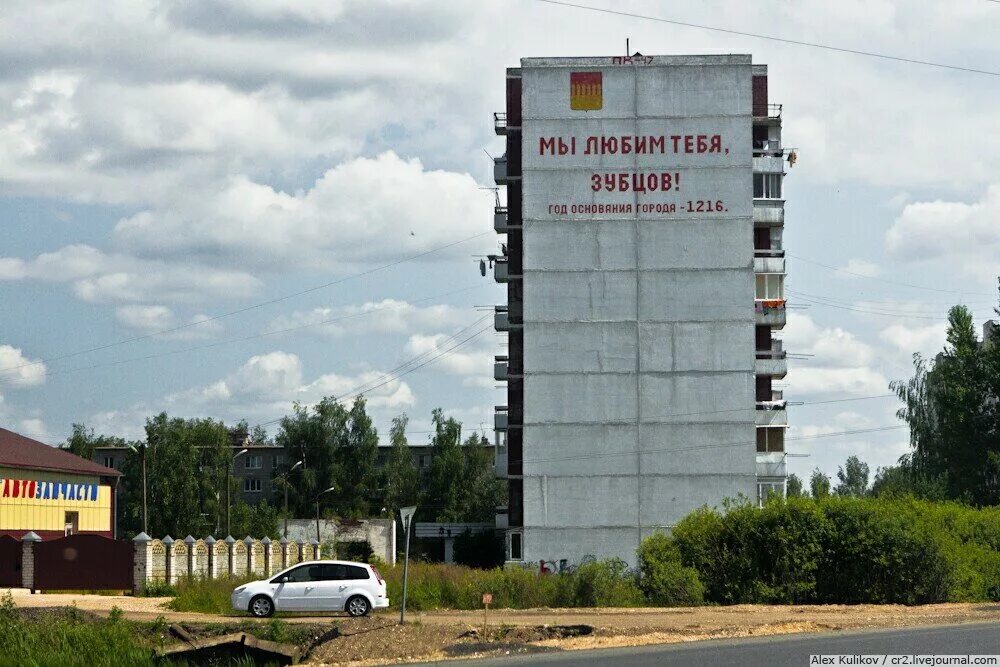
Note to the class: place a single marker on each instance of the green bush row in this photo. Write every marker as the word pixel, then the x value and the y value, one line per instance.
pixel 843 550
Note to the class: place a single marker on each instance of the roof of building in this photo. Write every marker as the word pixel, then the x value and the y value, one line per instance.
pixel 17 451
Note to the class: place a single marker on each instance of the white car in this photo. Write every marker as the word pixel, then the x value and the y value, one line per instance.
pixel 321 585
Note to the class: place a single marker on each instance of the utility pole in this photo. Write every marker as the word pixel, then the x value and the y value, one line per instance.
pixel 229 483
pixel 145 510
pixel 406 516
pixel 284 479
pixel 332 488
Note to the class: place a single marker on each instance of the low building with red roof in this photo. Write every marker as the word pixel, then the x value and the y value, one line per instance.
pixel 52 492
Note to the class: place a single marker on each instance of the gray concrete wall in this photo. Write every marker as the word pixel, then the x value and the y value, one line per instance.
pixel 638 327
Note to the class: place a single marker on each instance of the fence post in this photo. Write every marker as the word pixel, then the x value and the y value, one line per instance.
pixel 267 555
pixel 315 548
pixel 284 552
pixel 168 559
pixel 210 543
pixel 301 547
pixel 250 560
pixel 230 541
pixel 142 562
pixel 28 560
pixel 189 541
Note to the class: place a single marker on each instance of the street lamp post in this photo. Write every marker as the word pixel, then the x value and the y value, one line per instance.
pixel 229 483
pixel 145 513
pixel 284 479
pixel 332 488
pixel 406 516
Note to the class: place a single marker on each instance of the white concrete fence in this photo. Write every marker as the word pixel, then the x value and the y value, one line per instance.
pixel 171 561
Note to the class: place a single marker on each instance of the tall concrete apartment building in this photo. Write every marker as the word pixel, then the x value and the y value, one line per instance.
pixel 644 272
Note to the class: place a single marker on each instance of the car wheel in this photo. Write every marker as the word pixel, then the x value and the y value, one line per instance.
pixel 261 606
pixel 358 606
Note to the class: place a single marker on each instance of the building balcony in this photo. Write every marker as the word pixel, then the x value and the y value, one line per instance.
pixel 773 416
pixel 500 270
pixel 500 369
pixel 774 364
pixel 502 515
pixel 776 402
pixel 500 462
pixel 500 219
pixel 771 464
pixel 500 122
pixel 500 418
pixel 770 312
pixel 768 162
pixel 768 212
pixel 768 261
pixel 500 173
pixel 769 112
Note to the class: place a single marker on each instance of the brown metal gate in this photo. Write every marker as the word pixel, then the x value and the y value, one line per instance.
pixel 10 562
pixel 84 562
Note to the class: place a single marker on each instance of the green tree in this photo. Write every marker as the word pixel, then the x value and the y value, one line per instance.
pixel 903 479
pixel 401 478
pixel 852 478
pixel 357 478
pixel 952 406
pixel 794 488
pixel 83 442
pixel 460 484
pixel 819 484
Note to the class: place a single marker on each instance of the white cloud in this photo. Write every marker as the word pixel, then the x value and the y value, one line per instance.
pixel 475 361
pixel 98 277
pixel 385 316
pixel 363 210
pixel 840 365
pixel 967 236
pixel 859 268
pixel 909 339
pixel 18 371
pixel 149 319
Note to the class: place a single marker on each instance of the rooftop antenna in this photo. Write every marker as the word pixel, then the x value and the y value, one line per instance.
pixel 626 47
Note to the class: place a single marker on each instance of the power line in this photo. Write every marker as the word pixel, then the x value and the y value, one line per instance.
pixel 783 40
pixel 883 280
pixel 634 452
pixel 245 309
pixel 820 301
pixel 241 339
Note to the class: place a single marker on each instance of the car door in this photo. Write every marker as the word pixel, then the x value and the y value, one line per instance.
pixel 333 589
pixel 297 589
pixel 355 579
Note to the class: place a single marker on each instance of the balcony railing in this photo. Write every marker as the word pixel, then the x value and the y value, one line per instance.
pixel 765 305
pixel 500 219
pixel 777 401
pixel 500 122
pixel 768 111
pixel 500 368
pixel 768 252
pixel 500 170
pixel 775 352
pixel 500 418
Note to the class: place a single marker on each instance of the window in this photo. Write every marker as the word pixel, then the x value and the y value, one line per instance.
pixel 255 462
pixel 769 286
pixel 109 462
pixel 301 574
pixel 767 186
pixel 516 551
pixel 424 460
pixel 72 523
pixel 276 460
pixel 770 440
pixel 340 572
pixel 252 485
pixel 767 489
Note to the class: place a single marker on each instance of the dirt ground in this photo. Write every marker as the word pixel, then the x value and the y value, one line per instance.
pixel 454 634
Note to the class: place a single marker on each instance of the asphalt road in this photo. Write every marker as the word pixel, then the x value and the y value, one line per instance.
pixel 981 639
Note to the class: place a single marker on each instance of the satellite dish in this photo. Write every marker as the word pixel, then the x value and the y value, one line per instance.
pixel 482 267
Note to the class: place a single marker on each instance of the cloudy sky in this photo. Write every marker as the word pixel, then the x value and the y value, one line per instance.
pixel 203 203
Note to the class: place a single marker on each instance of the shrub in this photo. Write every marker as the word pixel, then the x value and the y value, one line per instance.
pixel 663 578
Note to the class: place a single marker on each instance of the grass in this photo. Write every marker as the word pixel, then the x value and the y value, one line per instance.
pixel 68 638
pixel 208 596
